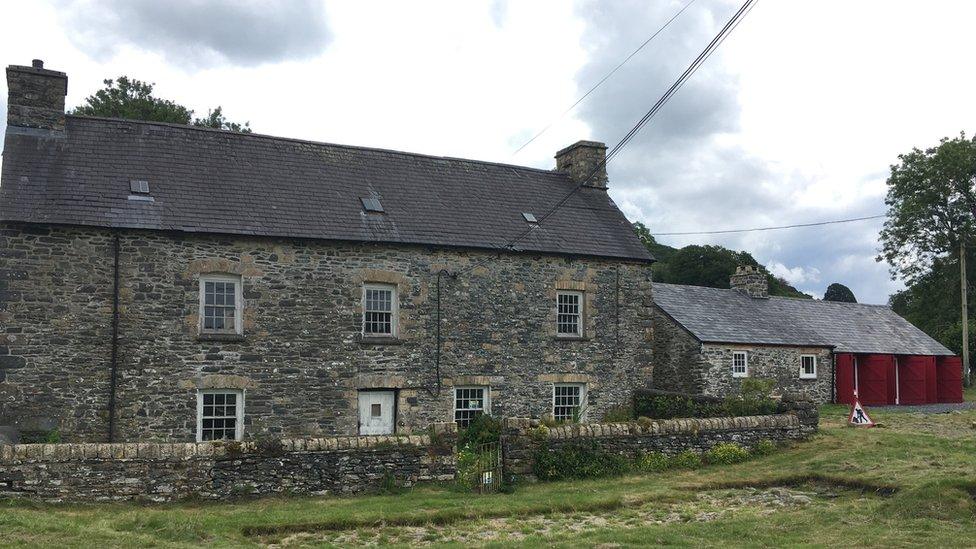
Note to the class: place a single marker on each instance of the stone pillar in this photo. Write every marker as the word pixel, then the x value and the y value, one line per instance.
pixel 35 97
pixel 580 159
pixel 751 281
pixel 805 410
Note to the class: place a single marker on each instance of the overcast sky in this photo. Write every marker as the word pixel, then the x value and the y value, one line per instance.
pixel 796 118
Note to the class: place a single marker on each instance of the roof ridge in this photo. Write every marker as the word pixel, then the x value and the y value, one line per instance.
pixel 312 142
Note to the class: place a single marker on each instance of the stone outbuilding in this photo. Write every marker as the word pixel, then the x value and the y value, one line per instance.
pixel 162 282
pixel 708 340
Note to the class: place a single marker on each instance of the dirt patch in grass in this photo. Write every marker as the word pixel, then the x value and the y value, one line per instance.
pixel 806 480
pixel 704 507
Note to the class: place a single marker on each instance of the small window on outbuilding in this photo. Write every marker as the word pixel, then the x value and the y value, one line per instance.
pixel 808 367
pixel 740 364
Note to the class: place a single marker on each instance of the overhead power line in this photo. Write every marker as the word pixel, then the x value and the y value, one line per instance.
pixel 729 231
pixel 605 78
pixel 612 153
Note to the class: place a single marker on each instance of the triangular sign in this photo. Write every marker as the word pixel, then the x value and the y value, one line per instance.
pixel 859 417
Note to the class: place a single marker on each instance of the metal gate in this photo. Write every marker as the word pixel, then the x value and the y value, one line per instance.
pixel 489 467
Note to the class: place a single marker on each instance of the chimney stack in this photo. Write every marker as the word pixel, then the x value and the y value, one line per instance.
pixel 35 97
pixel 580 159
pixel 751 281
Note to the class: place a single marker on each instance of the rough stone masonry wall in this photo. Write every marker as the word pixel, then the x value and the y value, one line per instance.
pixel 301 360
pixel 678 363
pixel 167 471
pixel 522 440
pixel 780 364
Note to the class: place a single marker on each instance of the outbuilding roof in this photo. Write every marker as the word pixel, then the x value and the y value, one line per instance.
pixel 716 315
pixel 212 181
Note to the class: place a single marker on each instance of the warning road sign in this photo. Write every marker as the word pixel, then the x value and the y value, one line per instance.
pixel 859 417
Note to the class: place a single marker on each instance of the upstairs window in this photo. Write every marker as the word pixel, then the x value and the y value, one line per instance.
pixel 569 314
pixel 379 310
pixel 469 403
pixel 220 414
pixel 568 401
pixel 220 304
pixel 740 364
pixel 808 367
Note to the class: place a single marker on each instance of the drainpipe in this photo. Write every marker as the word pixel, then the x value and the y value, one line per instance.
pixel 897 384
pixel 115 341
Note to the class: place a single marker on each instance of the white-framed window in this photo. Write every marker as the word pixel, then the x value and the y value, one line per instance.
pixel 740 364
pixel 569 314
pixel 220 414
pixel 221 303
pixel 469 403
pixel 808 366
pixel 379 310
pixel 568 401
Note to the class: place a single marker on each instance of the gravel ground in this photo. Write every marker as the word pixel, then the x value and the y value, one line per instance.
pixel 928 408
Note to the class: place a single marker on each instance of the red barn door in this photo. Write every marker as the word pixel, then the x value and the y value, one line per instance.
pixel 931 381
pixel 844 378
pixel 875 385
pixel 912 373
pixel 949 379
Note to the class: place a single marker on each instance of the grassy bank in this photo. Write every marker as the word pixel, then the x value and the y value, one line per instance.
pixel 910 482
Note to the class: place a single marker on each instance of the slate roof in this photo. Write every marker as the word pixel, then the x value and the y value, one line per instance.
pixel 213 181
pixel 728 316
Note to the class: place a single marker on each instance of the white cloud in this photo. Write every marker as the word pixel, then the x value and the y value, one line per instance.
pixel 796 276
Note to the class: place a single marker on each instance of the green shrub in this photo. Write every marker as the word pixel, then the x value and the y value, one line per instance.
pixel 664 405
pixel 764 447
pixel 482 430
pixel 753 400
pixel 651 462
pixel 619 414
pixel 579 460
pixel 644 422
pixel 686 460
pixel 726 454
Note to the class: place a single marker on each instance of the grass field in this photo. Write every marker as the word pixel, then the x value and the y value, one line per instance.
pixel 910 482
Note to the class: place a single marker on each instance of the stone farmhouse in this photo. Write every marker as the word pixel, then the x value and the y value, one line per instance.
pixel 708 340
pixel 171 283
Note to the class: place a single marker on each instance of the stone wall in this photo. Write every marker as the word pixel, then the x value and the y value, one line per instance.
pixel 522 438
pixel 172 471
pixel 684 364
pixel 780 364
pixel 678 363
pixel 301 360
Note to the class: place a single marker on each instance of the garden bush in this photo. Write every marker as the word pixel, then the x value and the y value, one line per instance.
pixel 764 447
pixel 651 462
pixel 686 460
pixel 753 400
pixel 726 454
pixel 619 414
pixel 579 460
pixel 482 430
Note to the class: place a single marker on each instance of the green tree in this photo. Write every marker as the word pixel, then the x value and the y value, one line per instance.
pixel 133 99
pixel 931 216
pixel 710 266
pixel 839 292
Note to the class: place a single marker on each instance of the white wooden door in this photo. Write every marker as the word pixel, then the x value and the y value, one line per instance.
pixel 376 412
